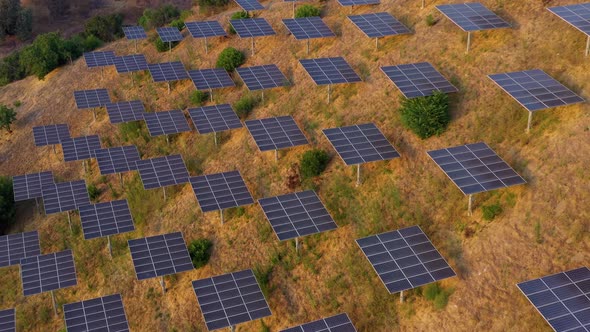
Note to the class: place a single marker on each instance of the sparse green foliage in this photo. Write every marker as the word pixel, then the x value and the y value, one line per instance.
pixel 200 251
pixel 430 20
pixel 244 106
pixel 313 163
pixel 426 116
pixel 7 117
pixel 538 235
pixel 105 27
pixel 178 24
pixel 93 192
pixel 198 97
pixel 158 17
pixel 237 16
pixel 162 46
pixel 45 54
pixel 7 208
pixel 307 11
pixel 15 20
pixel 439 296
pixel 229 59
pixel 212 3
pixel 491 211
pixel 17 103
pixel 263 275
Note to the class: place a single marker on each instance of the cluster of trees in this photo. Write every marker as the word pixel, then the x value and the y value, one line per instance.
pixel 15 20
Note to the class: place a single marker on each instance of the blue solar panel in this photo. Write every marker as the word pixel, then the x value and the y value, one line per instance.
pixel 262 77
pixel 326 71
pixel 169 34
pixel 80 148
pixel 14 247
pixel 418 79
pixel 472 16
pixel 64 196
pixel 204 29
pixel 134 32
pixel 166 123
pixel 105 314
pixel 7 320
pixel 162 171
pixel 276 133
pixel 51 134
pixel 125 111
pixel 216 118
pixel 308 27
pixel 91 98
pixel 99 59
pixel 208 79
pixel 30 186
pixel 117 159
pixel 577 15
pixel 252 27
pixel 249 5
pixel 221 191
pixel 49 272
pixel 130 63
pixel 358 2
pixel 105 219
pixel 159 255
pixel 376 25
pixel 337 323
pixel 168 71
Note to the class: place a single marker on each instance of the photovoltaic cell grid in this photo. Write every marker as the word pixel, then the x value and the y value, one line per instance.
pixel 262 77
pixel 472 16
pixel 379 25
pixel 418 79
pixel 535 90
pixel 249 5
pixel 134 32
pixel 51 134
pixel 99 59
pixel 169 34
pixel 104 219
pixel 357 2
pixel 563 299
pixel 160 255
pixel 208 79
pixel 297 214
pixel 166 123
pixel 230 299
pixel 130 63
pixel 14 247
pixel 326 71
pixel 405 259
pixel 117 160
pixel 360 144
pixel 308 27
pixel 252 27
pixel 337 323
pixel 80 148
pixel 65 196
pixel 8 320
pixel 100 314
pixel 216 118
pixel 221 191
pixel 475 168
pixel 204 29
pixel 125 111
pixel 577 15
pixel 162 171
pixel 49 272
pixel 276 133
pixel 168 71
pixel 30 186
pixel 91 98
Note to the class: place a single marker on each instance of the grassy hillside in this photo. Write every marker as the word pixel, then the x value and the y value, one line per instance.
pixel 543 227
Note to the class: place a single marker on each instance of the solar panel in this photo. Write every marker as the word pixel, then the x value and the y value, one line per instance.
pixel 65 196
pixel 535 90
pixel 208 79
pixel 308 27
pixel 276 133
pixel 376 25
pixel 252 27
pixel 204 29
pixel 472 16
pixel 91 98
pixel 337 323
pixel 475 168
pixel 80 148
pixel 249 5
pixel 563 299
pixel 14 247
pixel 117 159
pixel 104 219
pixel 297 214
pixel 262 77
pixel 216 118
pixel 405 259
pixel 49 272
pixel 134 32
pixel 221 191
pixel 51 134
pixel 418 79
pixel 359 144
pixel 30 186
pixel 169 34
pixel 100 314
pixel 230 299
pixel 168 71
pixel 166 123
pixel 326 71
pixel 125 111
pixel 160 255
pixel 577 15
pixel 99 59
pixel 358 2
pixel 8 320
pixel 162 171
pixel 130 63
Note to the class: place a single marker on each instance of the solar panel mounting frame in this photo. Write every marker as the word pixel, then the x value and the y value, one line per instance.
pixel 106 312
pixel 418 79
pixel 583 22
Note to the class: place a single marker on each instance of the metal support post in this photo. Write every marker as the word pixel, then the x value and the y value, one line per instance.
pixel 169 88
pixel 221 216
pixel 70 220
pixel 262 94
pixel 252 45
pixel 94 113
pixel 232 328
pixel 528 126
pixel 54 150
pixel 170 47
pixel 206 46
pixel 135 45
pixel 102 72
pixel 121 179
pixel 215 137
pixel 358 174
pixel 376 43
pixel 296 244
pixel 164 189
pixel 468 41
pixel 329 92
pixel 469 205
pixel 110 246
pixel 211 94
pixel 276 155
pixel 168 139
pixel 163 284
pixel 308 47
pixel 37 203
pixel 423 1
pixel 54 303
pixel 401 297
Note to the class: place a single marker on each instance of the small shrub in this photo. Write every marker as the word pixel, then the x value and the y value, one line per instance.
pixel 212 3
pixel 426 116
pixel 106 27
pixel 7 117
pixel 7 208
pixel 237 16
pixel 538 235
pixel 491 211
pixel 162 46
pixel 313 163
pixel 229 59
pixel 244 106
pixel 17 103
pixel 158 17
pixel 200 251
pixel 178 24
pixel 439 296
pixel 430 20
pixel 198 97
pixel 307 11
pixel 93 192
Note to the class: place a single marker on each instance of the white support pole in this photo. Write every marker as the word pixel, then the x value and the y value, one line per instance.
pixel 468 41
pixel 70 221
pixel 329 92
pixel 54 303
pixel 423 1
pixel 211 94
pixel 232 328
pixel 163 284
pixel 37 203
pixel 94 113
pixel 358 174
pixel 215 137
pixel 221 216
pixel 168 139
pixel 85 167
pixel 308 47
pixel 135 45
pixel 121 179
pixel 54 150
pixel 164 189
pixel 169 89
pixel 262 93
pixel 170 47
pixel 206 46
pixel 110 246
pixel 588 46
pixel 469 205
pixel 276 155
pixel 252 45
pixel 376 43
pixel 401 297
pixel 297 245
pixel 530 120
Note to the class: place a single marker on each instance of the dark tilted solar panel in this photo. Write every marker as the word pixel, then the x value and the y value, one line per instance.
pixel 117 160
pixel 563 299
pixel 99 59
pixel 204 29
pixel 297 214
pixel 51 134
pixel 49 272
pixel 130 63
pixel 125 111
pixel 577 15
pixel 162 171
pixel 230 299
pixel 159 255
pixel 30 186
pixel 418 79
pixel 252 27
pixel 308 27
pixel 80 148
pixel 405 259
pixel 221 191
pixel 535 90
pixel 326 71
pixel 14 247
pixel 249 5
pixel 64 196
pixel 100 314
pixel 8 320
pixel 262 77
pixel 475 168
pixel 134 32
pixel 215 118
pixel 91 98
pixel 472 16
pixel 337 323
pixel 166 123
pixel 358 2
pixel 104 219
pixel 276 133
pixel 169 34
pixel 168 71
pixel 376 25
pixel 360 144
pixel 208 79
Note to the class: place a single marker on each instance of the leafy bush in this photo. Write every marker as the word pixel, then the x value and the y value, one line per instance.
pixel 178 24
pixel 229 59
pixel 158 17
pixel 426 116
pixel 7 117
pixel 491 211
pixel 105 27
pixel 15 20
pixel 7 208
pixel 313 163
pixel 93 192
pixel 212 3
pixel 244 106
pixel 162 46
pixel 237 16
pixel 10 69
pixel 430 20
pixel 200 251
pixel 307 11
pixel 45 54
pixel 439 296
pixel 198 97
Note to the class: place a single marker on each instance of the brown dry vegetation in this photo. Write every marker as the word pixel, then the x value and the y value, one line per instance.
pixel 331 275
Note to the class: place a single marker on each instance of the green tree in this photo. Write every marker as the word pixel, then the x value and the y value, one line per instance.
pixel 198 97
pixel 229 59
pixel 10 69
pixel 24 26
pixel 244 106
pixel 200 252
pixel 307 11
pixel 7 117
pixel 212 3
pixel 313 163
pixel 106 27
pixel 46 53
pixel 426 116
pixel 158 17
pixel 7 208
pixel 178 24
pixel 15 20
